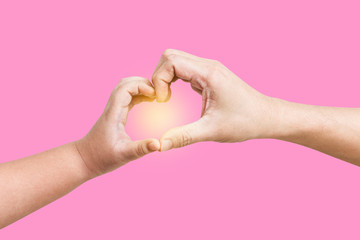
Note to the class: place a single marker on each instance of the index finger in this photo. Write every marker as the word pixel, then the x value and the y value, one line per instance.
pixel 123 94
pixel 176 64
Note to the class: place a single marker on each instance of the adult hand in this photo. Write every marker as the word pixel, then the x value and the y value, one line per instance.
pixel 107 146
pixel 232 111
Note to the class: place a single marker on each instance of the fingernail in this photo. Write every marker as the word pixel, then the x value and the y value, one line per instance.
pixel 153 146
pixel 166 145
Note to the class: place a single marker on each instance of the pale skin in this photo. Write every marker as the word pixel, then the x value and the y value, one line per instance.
pixel 232 112
pixel 30 183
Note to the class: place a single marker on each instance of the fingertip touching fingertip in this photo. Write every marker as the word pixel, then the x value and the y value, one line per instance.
pixel 154 146
pixel 161 98
pixel 166 145
pixel 150 91
pixel 162 95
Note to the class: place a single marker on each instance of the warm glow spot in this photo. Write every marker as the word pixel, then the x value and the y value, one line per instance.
pixel 154 119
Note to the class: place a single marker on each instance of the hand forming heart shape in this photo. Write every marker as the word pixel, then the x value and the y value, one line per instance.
pixel 232 111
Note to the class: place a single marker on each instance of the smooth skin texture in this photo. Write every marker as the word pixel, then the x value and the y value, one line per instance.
pixel 232 111
pixel 30 183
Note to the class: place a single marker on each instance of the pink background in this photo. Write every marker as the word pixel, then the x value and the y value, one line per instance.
pixel 59 61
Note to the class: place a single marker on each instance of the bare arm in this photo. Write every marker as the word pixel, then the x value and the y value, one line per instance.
pixel 30 183
pixel 234 112
pixel 332 130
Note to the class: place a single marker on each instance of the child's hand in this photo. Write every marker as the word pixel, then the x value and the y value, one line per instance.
pixel 107 146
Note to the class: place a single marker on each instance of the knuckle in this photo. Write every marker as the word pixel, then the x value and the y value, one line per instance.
pixel 214 72
pixel 122 83
pixel 170 54
pixel 161 79
pixel 125 80
pixel 216 63
pixel 169 51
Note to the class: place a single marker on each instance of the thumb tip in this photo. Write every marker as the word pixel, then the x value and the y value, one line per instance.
pixel 154 145
pixel 162 97
pixel 166 145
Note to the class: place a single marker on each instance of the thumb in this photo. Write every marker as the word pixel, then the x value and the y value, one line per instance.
pixel 184 135
pixel 140 148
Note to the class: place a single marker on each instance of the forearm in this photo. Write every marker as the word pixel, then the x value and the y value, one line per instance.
pixel 331 130
pixel 30 183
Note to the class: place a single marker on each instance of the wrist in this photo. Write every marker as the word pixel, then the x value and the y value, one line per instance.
pixel 290 120
pixel 267 123
pixel 85 156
